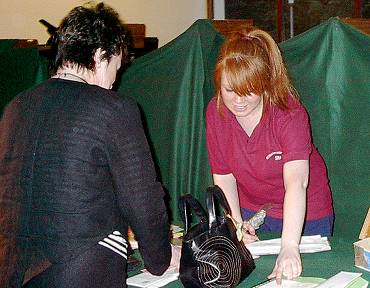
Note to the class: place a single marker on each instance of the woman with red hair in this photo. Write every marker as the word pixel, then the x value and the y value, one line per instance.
pixel 260 148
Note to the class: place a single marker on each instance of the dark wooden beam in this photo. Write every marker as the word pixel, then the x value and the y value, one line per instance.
pixel 210 9
pixel 279 19
pixel 357 12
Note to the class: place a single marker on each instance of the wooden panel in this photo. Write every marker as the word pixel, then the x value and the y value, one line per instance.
pixel 26 43
pixel 362 24
pixel 137 32
pixel 226 27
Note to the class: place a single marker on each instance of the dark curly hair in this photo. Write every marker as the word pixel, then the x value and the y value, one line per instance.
pixel 86 29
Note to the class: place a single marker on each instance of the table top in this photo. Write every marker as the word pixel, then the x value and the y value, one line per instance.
pixel 322 264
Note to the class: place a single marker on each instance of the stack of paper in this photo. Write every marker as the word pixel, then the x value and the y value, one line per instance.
pixel 309 244
pixel 148 280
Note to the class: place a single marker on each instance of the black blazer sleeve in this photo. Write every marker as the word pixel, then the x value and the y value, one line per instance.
pixel 140 196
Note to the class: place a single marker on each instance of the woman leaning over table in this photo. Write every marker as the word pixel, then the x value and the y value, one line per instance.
pixel 260 148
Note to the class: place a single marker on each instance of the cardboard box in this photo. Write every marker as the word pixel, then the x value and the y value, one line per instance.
pixel 365 231
pixel 362 254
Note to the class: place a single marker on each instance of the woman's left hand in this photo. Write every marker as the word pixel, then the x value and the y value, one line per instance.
pixel 176 256
pixel 249 233
pixel 288 264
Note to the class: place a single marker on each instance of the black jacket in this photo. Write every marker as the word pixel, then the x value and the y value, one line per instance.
pixel 75 166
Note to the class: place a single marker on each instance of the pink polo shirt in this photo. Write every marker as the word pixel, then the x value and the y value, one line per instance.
pixel 257 161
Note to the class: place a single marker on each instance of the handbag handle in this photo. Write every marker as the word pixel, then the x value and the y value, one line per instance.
pixel 189 200
pixel 212 193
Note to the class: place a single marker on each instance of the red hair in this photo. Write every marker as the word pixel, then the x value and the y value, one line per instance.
pixel 252 63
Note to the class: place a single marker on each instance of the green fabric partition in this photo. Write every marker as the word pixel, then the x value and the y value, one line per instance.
pixel 173 86
pixel 330 67
pixel 21 68
pixel 7 44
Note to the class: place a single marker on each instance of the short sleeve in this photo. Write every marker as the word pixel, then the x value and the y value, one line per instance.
pixel 295 136
pixel 215 140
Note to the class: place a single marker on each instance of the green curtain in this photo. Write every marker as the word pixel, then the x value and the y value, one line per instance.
pixel 21 68
pixel 329 65
pixel 7 44
pixel 173 85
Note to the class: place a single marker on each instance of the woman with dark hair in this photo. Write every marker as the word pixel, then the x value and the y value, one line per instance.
pixel 260 148
pixel 76 169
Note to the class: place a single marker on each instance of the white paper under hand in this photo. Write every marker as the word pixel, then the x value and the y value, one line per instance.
pixel 287 284
pixel 148 280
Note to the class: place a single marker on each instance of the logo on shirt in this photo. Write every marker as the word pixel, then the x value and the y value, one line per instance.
pixel 277 155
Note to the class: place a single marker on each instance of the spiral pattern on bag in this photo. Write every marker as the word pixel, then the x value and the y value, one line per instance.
pixel 219 263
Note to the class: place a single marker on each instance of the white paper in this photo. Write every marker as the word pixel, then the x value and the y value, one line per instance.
pixel 148 280
pixel 340 280
pixel 309 244
pixel 287 284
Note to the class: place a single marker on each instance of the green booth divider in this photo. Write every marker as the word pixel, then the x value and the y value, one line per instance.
pixel 173 85
pixel 21 68
pixel 7 44
pixel 330 67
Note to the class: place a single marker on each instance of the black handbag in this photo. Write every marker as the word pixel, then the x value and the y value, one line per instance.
pixel 211 255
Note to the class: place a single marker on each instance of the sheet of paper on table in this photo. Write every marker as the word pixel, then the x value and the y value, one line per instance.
pixel 340 280
pixel 287 284
pixel 148 280
pixel 309 244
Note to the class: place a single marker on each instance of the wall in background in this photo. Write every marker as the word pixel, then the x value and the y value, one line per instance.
pixel 165 19
pixel 307 13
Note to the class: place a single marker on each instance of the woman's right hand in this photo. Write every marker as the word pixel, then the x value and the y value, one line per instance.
pixel 288 264
pixel 249 233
